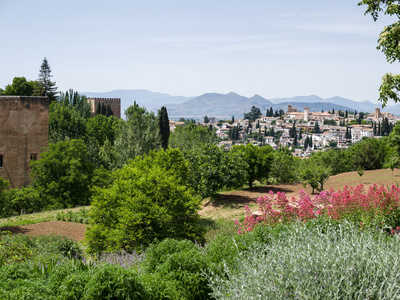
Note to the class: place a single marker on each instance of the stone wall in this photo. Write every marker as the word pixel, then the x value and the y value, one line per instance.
pixel 24 133
pixel 115 104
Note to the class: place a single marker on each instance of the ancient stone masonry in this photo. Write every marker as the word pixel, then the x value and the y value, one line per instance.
pixel 24 133
pixel 115 104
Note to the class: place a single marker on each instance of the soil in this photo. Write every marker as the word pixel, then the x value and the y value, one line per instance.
pixel 234 201
pixel 71 230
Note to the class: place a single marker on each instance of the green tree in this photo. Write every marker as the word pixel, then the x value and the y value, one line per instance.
pixel 77 101
pixel 109 111
pixel 206 119
pixel 253 115
pixel 213 169
pixel 20 87
pixel 46 87
pixel 316 175
pixel 136 136
pixel 163 125
pixel 148 200
pixel 102 128
pixel 370 154
pixel 191 136
pixel 388 43
pixel 317 128
pixel 63 174
pixel 284 167
pixel 65 123
pixel 258 162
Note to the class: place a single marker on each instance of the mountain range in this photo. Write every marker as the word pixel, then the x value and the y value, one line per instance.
pixel 224 106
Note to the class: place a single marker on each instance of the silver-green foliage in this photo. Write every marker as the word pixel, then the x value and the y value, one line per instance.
pixel 315 263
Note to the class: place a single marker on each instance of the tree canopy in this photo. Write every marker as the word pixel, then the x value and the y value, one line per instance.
pixel 20 87
pixel 388 43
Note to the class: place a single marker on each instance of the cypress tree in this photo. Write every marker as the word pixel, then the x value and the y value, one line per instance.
pixel 295 139
pixel 103 109
pixel 300 134
pixel 316 128
pixel 306 143
pixel 98 109
pixel 163 125
pixel 109 111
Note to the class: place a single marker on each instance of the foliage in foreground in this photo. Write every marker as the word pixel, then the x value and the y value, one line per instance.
pixel 25 248
pixel 320 259
pixel 314 262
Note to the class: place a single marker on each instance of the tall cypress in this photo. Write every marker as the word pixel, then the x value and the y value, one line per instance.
pixel 103 109
pixel 98 109
pixel 306 143
pixel 163 125
pixel 109 111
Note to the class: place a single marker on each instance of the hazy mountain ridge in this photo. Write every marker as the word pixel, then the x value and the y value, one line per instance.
pixel 151 100
pixel 224 106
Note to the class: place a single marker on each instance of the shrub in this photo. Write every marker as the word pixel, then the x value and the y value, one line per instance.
pixel 181 262
pixel 314 262
pixel 147 201
pixel 24 248
pixel 110 281
pixel 63 175
pixel 378 207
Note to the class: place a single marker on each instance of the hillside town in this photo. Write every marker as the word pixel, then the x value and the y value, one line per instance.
pixel 302 132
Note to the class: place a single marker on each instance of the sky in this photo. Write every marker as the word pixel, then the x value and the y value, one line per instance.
pixel 274 48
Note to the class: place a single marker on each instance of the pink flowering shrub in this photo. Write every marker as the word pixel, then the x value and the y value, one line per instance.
pixel 376 207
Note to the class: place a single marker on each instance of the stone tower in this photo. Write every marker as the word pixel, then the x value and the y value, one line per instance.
pixel 115 104
pixel 377 113
pixel 24 133
pixel 306 114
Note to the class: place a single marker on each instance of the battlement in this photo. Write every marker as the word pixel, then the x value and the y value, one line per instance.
pixel 105 99
pixel 115 104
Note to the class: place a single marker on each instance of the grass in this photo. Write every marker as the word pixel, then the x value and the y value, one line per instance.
pixel 33 218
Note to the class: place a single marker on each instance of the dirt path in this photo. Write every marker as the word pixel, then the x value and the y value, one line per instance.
pixel 71 230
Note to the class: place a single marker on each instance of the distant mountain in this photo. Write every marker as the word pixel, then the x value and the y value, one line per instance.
pixel 151 100
pixel 221 106
pixel 365 106
pixel 313 106
pixel 224 106
pixel 308 99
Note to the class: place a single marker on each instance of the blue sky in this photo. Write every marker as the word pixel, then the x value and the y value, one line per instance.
pixel 184 47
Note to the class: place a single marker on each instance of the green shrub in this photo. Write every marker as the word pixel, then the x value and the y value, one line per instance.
pixel 182 262
pixel 147 201
pixel 81 216
pixel 314 262
pixel 63 175
pixel 69 280
pixel 110 281
pixel 21 248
